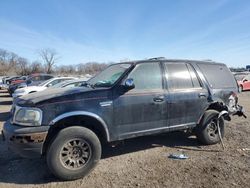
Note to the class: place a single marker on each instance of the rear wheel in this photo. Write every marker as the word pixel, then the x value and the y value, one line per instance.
pixel 207 131
pixel 73 153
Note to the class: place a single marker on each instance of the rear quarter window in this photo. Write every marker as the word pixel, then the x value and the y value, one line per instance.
pixel 218 75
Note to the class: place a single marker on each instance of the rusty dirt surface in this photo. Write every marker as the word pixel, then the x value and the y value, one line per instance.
pixel 144 162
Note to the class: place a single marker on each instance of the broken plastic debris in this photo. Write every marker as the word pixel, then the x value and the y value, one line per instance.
pixel 178 156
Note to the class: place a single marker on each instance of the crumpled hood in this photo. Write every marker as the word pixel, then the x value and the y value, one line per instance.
pixel 41 96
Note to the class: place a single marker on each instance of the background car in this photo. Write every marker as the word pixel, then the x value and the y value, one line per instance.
pixel 32 80
pixel 243 80
pixel 40 87
pixel 19 80
pixel 70 84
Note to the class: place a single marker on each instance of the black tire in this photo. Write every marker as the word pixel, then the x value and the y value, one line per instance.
pixel 206 131
pixel 65 139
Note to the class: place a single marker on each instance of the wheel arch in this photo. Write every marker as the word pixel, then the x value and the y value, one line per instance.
pixel 78 118
pixel 219 106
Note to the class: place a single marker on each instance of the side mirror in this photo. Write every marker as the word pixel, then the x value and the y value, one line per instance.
pixel 129 84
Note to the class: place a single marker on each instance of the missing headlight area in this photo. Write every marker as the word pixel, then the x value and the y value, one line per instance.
pixel 32 138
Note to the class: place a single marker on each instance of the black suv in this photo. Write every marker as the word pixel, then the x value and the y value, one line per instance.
pixel 126 100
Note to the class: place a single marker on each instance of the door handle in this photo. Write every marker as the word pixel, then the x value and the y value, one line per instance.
pixel 202 95
pixel 159 98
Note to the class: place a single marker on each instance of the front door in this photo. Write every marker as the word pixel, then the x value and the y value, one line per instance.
pixel 142 109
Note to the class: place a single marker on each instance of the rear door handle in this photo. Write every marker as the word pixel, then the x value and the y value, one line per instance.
pixel 159 98
pixel 202 95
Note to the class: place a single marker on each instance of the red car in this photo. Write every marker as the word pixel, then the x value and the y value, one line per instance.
pixel 19 80
pixel 243 80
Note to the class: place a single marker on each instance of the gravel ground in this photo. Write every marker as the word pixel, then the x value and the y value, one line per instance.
pixel 144 162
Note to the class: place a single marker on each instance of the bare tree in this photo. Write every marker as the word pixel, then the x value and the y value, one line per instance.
pixel 23 66
pixel 8 62
pixel 49 57
pixel 36 67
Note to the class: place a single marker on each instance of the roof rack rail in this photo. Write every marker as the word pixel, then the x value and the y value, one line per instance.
pixel 210 60
pixel 157 58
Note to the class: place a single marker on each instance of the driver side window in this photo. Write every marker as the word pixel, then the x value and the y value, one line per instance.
pixel 147 76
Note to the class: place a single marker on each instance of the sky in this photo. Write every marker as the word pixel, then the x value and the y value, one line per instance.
pixel 115 30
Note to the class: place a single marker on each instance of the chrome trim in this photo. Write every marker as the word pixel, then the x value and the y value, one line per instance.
pixel 106 103
pixel 85 113
pixel 182 125
pixel 160 128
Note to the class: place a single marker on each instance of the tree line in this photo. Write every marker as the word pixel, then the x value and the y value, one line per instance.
pixel 13 64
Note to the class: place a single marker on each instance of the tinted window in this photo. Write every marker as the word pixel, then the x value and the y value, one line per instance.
pixel 147 76
pixel 195 80
pixel 178 76
pixel 218 75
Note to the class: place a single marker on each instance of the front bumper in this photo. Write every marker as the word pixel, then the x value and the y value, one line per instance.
pixel 26 141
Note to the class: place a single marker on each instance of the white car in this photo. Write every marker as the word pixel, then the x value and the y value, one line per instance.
pixel 31 89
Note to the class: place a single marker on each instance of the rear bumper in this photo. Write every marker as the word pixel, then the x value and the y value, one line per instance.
pixel 25 141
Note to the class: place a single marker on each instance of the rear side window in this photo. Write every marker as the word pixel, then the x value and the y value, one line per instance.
pixel 147 76
pixel 181 76
pixel 195 80
pixel 218 76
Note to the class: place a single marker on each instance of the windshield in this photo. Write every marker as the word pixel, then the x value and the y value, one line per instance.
pixel 61 84
pixel 109 76
pixel 239 77
pixel 45 82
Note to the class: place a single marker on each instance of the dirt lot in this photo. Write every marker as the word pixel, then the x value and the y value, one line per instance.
pixel 143 162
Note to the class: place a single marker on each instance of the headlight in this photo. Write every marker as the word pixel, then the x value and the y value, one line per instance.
pixel 28 116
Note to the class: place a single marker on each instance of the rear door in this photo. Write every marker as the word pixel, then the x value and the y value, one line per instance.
pixel 186 97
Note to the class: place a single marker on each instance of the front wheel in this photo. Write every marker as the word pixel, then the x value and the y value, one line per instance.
pixel 73 153
pixel 207 131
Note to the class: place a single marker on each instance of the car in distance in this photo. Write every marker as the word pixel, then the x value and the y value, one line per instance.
pixel 126 100
pixel 32 80
pixel 71 83
pixel 31 89
pixel 243 80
